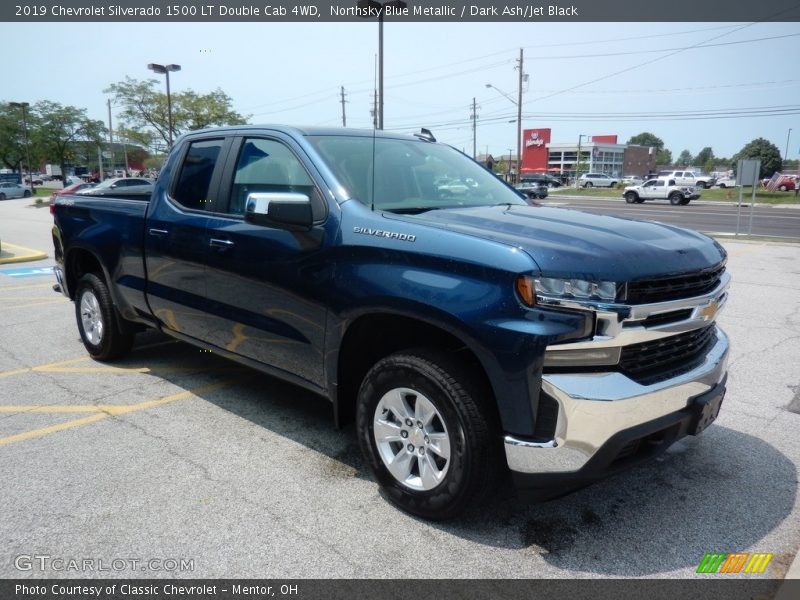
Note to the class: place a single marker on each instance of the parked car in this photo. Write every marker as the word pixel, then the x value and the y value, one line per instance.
pixel 13 190
pixel 726 182
pixel 588 180
pixel 688 178
pixel 471 338
pixel 533 189
pixel 72 189
pixel 548 180
pixel 36 180
pixel 632 180
pixel 786 183
pixel 120 186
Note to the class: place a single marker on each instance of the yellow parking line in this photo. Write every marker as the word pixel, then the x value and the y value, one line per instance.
pixel 15 257
pixel 26 287
pixel 28 304
pixel 106 411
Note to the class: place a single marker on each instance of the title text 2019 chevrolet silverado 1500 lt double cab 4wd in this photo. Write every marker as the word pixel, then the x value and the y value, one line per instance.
pixel 467 334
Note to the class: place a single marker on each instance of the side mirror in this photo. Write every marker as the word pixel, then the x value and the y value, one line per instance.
pixel 283 210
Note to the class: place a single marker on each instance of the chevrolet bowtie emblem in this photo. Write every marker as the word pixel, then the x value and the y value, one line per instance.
pixel 709 311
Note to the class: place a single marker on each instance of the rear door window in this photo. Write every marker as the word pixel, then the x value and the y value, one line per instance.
pixel 193 186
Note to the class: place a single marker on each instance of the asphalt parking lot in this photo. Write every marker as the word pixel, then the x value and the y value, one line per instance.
pixel 178 456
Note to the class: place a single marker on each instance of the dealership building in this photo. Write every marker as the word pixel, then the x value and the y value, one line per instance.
pixel 598 154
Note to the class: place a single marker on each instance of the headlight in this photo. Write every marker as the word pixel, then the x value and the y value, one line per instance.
pixel 581 289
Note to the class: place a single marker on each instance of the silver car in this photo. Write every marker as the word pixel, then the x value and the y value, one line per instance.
pixel 120 186
pixel 588 180
pixel 13 190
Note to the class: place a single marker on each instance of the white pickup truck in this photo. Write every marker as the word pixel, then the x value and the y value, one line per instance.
pixel 660 189
pixel 688 178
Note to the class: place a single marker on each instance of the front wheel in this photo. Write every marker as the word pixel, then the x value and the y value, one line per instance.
pixel 631 197
pixel 97 322
pixel 702 185
pixel 2 196
pixel 675 199
pixel 588 184
pixel 783 188
pixel 426 434
pixel 26 194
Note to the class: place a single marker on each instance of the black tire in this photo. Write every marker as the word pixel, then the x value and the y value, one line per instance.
pixel 542 196
pixel 702 185
pixel 631 197
pixel 104 341
pixel 640 201
pixel 588 184
pixel 26 194
pixel 722 185
pixel 685 201
pixel 675 199
pixel 783 188
pixel 473 462
pixel 2 196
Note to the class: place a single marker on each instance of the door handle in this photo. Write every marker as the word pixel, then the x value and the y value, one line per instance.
pixel 218 243
pixel 158 232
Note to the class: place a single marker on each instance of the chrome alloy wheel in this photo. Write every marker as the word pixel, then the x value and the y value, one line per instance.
pixel 412 439
pixel 91 318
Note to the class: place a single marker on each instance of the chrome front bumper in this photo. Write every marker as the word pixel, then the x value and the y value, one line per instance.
pixel 593 407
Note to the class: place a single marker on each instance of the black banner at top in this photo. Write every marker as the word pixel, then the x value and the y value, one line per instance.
pixel 397 11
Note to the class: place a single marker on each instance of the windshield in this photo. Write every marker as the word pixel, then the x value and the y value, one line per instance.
pixel 410 176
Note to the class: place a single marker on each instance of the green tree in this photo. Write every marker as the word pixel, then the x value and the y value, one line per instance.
pixel 709 165
pixel 663 156
pixel 145 111
pixel 705 155
pixel 60 133
pixel 763 150
pixel 12 137
pixel 647 139
pixel 684 158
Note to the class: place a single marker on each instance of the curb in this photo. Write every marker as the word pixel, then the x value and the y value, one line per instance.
pixel 18 254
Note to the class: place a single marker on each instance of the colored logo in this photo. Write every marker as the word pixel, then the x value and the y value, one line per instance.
pixel 737 562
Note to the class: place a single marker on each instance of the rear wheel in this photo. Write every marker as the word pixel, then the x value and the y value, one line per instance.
pixel 675 199
pixel 702 185
pixel 26 194
pixel 2 196
pixel 783 188
pixel 97 320
pixel 631 197
pixel 426 434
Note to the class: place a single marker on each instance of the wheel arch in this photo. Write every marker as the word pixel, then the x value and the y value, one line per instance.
pixel 371 337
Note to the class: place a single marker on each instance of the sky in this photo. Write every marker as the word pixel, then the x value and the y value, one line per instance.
pixel 583 78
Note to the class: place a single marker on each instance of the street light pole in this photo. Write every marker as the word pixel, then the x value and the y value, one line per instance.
pixel 786 152
pixel 165 70
pixel 578 158
pixel 518 104
pixel 24 106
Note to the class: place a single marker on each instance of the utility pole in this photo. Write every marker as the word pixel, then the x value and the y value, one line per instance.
pixel 344 115
pixel 519 117
pixel 110 137
pixel 474 117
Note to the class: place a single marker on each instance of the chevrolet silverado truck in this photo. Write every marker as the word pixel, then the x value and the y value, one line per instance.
pixel 469 336
pixel 689 178
pixel 660 189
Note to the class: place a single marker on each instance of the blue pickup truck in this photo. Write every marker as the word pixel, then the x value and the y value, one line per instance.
pixel 469 335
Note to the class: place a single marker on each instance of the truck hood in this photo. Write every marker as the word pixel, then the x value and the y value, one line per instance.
pixel 570 243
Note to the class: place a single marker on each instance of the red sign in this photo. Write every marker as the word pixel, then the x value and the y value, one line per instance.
pixel 534 150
